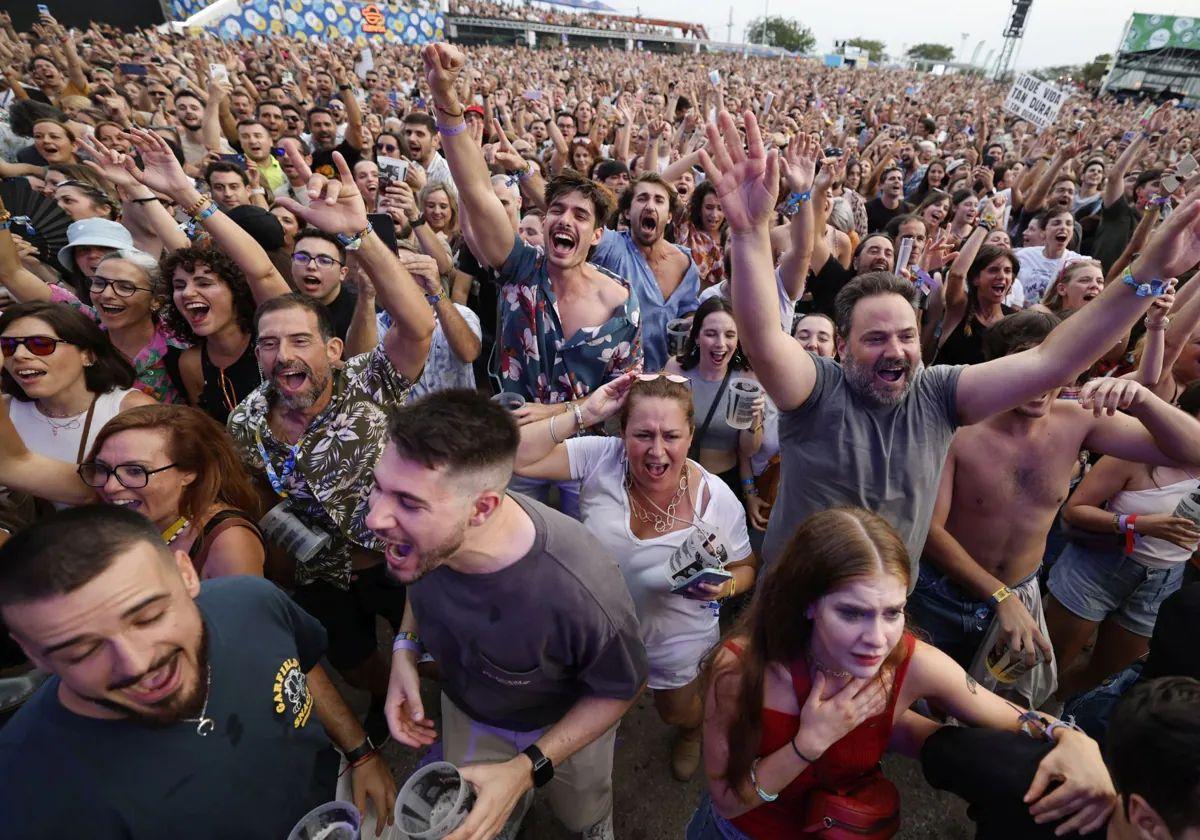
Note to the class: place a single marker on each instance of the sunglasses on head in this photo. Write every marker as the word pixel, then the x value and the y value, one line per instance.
pixel 670 377
pixel 38 345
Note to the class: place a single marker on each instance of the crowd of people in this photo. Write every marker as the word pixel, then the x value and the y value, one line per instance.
pixel 524 10
pixel 839 410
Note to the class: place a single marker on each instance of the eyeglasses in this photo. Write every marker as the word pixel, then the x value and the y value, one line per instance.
pixel 670 377
pixel 121 288
pixel 303 258
pixel 129 476
pixel 38 345
pixel 386 147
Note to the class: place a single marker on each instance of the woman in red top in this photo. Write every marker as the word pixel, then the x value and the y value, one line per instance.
pixel 815 685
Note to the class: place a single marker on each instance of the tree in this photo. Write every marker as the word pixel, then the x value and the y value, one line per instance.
pixel 1093 72
pixel 873 49
pixel 787 33
pixel 931 52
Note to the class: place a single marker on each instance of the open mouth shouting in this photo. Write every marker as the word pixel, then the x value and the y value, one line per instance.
pixel 196 313
pixel 647 225
pixel 562 242
pixel 718 356
pixel 656 469
pixel 28 375
pixel 310 284
pixel 892 371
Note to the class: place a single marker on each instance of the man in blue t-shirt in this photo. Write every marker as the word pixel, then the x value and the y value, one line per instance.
pixel 172 708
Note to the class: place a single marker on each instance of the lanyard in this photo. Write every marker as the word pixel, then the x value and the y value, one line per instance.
pixel 289 466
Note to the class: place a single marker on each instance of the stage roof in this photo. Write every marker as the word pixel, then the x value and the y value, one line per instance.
pixel 1148 33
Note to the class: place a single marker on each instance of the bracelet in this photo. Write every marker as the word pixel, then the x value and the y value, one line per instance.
pixel 999 596
pixel 258 191
pixel 1068 723
pixel 209 210
pixel 796 750
pixel 451 130
pixel 417 222
pixel 1159 327
pixel 407 641
pixel 143 200
pixel 345 87
pixel 554 435
pixel 1153 288
pixel 353 243
pixel 1117 523
pixel 578 416
pixel 1129 524
pixel 434 300
pixel 360 753
pixel 792 205
pixel 461 110
pixel 732 586
pixel 762 794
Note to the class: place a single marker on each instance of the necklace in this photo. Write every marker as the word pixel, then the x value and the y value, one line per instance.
pixel 662 523
pixel 70 425
pixel 175 529
pixel 204 724
pixel 832 672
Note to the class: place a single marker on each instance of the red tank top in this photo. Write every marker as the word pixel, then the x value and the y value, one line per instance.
pixel 855 754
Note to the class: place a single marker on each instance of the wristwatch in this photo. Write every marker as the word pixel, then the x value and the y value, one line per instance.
pixel 417 222
pixel 999 596
pixel 543 768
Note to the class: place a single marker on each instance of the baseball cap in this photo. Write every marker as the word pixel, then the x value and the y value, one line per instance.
pixel 101 233
pixel 260 224
pixel 609 169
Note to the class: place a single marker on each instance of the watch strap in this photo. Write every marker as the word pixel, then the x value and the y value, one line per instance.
pixel 360 752
pixel 543 768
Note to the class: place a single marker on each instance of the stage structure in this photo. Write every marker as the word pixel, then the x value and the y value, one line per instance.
pixel 1158 57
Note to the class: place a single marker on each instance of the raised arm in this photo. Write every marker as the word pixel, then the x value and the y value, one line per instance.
pixel 1001 384
pixel 337 207
pixel 163 173
pixel 1139 426
pixel 28 472
pixel 354 126
pixel 747 183
pixel 491 237
pixel 1114 181
pixel 799 170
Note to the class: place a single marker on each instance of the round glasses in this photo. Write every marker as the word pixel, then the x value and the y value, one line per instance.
pixel 129 476
pixel 303 258
pixel 121 288
pixel 38 345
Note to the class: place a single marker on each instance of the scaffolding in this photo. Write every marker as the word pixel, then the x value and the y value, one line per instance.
pixel 1013 33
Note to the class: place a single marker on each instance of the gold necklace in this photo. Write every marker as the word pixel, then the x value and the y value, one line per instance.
pixel 176 528
pixel 662 523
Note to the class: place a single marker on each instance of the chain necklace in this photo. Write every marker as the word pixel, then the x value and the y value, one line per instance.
pixel 832 672
pixel 662 523
pixel 204 724
pixel 70 425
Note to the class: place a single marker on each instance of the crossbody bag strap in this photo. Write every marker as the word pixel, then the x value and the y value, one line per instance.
pixel 694 451
pixel 87 427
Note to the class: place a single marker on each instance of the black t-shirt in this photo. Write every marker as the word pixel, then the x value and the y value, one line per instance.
pixel 323 161
pixel 341 311
pixel 1117 224
pixel 878 216
pixel 264 766
pixel 824 286
pixel 484 301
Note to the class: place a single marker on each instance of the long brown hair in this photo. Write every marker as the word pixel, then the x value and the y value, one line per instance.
pixel 198 444
pixel 828 550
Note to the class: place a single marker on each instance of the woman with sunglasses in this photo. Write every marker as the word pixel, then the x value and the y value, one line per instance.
pixel 387 145
pixel 650 506
pixel 814 685
pixel 63 378
pixel 712 357
pixel 175 465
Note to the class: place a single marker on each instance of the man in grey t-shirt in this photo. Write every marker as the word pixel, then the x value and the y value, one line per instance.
pixel 527 616
pixel 876 434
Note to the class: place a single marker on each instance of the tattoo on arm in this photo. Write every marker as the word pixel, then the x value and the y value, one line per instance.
pixel 972 686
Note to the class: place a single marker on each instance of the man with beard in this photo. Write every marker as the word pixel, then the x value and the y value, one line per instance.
pixel 158 717
pixel 526 614
pixel 323 126
pixel 1002 485
pixel 874 432
pixel 199 129
pixel 421 142
pixel 566 326
pixel 662 274
pixel 313 425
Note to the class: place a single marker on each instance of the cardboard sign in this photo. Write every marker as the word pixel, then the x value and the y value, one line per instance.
pixel 1034 101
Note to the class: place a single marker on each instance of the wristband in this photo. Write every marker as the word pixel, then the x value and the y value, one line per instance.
pixel 209 210
pixel 1068 723
pixel 578 412
pixel 353 243
pixel 345 87
pixel 1130 525
pixel 144 200
pixel 796 750
pixel 407 641
pixel 451 130
pixel 417 222
pixel 360 753
pixel 433 299
pixel 1159 327
pixel 794 201
pixel 1153 288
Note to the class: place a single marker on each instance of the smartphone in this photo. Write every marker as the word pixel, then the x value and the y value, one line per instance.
pixel 287 78
pixel 833 151
pixel 1185 167
pixel 989 161
pixel 132 69
pixel 240 160
pixel 710 576
pixel 714 76
pixel 219 72
pixel 905 253
pixel 385 228
pixel 768 102
pixel 43 9
pixel 391 171
pixel 532 95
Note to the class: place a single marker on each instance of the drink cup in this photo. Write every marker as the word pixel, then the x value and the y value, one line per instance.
pixel 335 820
pixel 677 333
pixel 509 401
pixel 1189 507
pixel 282 527
pixel 739 410
pixel 433 802
pixel 1008 666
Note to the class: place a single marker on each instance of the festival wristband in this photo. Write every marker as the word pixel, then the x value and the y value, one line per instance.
pixel 451 130
pixel 1152 288
pixel 792 205
pixel 407 641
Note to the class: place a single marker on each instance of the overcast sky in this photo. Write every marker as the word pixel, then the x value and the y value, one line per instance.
pixel 1056 32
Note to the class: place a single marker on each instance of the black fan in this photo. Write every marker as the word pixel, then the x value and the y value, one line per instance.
pixel 46 228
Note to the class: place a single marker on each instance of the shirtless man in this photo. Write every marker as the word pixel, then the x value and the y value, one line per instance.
pixel 666 280
pixel 1003 482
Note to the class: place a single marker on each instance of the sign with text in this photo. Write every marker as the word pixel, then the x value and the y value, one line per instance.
pixel 1034 101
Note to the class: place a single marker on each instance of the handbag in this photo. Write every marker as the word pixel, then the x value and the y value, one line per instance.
pixel 767 482
pixel 866 808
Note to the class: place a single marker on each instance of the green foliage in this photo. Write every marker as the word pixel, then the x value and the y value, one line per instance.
pixel 874 49
pixel 787 33
pixel 931 52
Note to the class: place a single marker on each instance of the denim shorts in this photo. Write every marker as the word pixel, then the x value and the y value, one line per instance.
pixel 1097 584
pixel 707 824
pixel 953 622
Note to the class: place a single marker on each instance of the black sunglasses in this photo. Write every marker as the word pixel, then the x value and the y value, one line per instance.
pixel 38 345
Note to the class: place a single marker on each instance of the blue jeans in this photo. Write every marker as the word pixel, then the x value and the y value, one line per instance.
pixel 1092 708
pixel 954 623
pixel 707 824
pixel 1097 584
pixel 537 488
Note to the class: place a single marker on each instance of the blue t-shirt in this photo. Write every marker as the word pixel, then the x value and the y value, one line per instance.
pixel 267 762
pixel 618 253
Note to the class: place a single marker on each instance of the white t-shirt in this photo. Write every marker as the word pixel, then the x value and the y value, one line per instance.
pixel 1038 271
pixel 787 306
pixel 677 631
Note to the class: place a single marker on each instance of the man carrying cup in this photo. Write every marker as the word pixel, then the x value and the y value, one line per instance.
pixel 527 616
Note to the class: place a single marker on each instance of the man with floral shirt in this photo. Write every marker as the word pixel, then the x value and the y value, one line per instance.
pixel 566 326
pixel 315 428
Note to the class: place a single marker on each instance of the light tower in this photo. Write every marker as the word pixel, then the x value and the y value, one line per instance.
pixel 1012 36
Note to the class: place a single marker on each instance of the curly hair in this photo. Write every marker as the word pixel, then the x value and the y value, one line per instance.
pixel 225 269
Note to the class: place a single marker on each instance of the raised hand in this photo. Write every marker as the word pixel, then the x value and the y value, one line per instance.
pixel 607 400
pixel 1174 248
pixel 160 170
pixel 747 182
pixel 336 206
pixel 424 270
pixel 106 162
pixel 506 156
pixel 443 65
pixel 800 163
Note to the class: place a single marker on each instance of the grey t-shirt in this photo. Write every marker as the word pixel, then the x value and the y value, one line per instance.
pixel 839 449
pixel 516 648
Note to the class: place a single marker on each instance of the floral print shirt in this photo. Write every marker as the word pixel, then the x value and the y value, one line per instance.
pixel 536 359
pixel 332 480
pixel 150 364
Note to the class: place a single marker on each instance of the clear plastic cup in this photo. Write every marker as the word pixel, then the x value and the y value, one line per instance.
pixel 677 333
pixel 509 401
pixel 739 410
pixel 433 802
pixel 335 820
pixel 282 527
